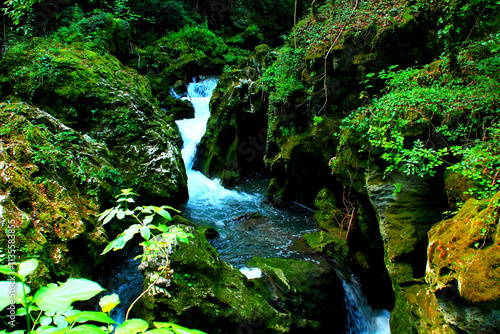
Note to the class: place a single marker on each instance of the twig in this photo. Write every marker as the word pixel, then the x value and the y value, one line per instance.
pixel 144 292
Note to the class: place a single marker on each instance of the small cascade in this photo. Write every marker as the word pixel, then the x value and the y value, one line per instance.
pixel 361 318
pixel 232 211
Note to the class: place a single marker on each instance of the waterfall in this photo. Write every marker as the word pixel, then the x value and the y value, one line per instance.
pixel 361 318
pixel 202 190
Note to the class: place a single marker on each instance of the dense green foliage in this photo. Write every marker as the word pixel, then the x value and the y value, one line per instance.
pixel 435 116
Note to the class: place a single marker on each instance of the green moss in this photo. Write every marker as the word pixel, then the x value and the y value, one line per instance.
pixel 221 296
pixel 329 244
pixel 110 102
pixel 465 248
pixel 53 182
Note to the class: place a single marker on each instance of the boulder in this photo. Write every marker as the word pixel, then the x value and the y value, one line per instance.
pixel 463 266
pixel 98 96
pixel 234 143
pixel 53 180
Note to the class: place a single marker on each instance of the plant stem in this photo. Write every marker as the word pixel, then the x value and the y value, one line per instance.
pixel 144 292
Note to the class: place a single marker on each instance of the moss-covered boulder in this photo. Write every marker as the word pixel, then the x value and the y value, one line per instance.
pixel 234 143
pixel 211 295
pixel 299 165
pixel 98 96
pixel 463 266
pixel 53 181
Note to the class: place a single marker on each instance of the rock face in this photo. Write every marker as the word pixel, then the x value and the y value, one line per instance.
pixel 76 127
pixel 52 181
pixel 404 218
pixel 234 143
pixel 462 267
pixel 100 97
pixel 213 296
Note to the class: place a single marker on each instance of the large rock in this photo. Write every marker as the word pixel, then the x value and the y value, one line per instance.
pixel 53 181
pixel 100 97
pixel 211 295
pixel 463 266
pixel 234 143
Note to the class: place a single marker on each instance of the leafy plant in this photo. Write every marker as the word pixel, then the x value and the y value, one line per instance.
pixel 155 246
pixel 434 117
pixel 50 309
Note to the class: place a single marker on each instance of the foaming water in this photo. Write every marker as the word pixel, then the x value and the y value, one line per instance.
pixel 248 227
pixel 361 318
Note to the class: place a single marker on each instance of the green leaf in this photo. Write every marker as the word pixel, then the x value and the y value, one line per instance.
pixel 111 214
pixel 132 326
pixel 91 316
pixel 7 271
pixel 164 214
pixel 48 330
pixel 163 228
pixel 60 321
pixel 60 298
pixel 87 329
pixel 109 302
pixel 9 289
pixel 27 267
pixel 116 244
pixel 147 219
pixel 145 232
pixel 130 232
pixel 120 214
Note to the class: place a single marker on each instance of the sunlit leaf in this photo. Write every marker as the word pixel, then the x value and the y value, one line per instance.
pixel 164 214
pixel 118 243
pixel 9 289
pixel 145 232
pixel 87 329
pixel 27 267
pixel 7 271
pixel 120 214
pixel 45 321
pixel 60 321
pixel 130 232
pixel 61 297
pixel 132 326
pixel 109 302
pixel 92 316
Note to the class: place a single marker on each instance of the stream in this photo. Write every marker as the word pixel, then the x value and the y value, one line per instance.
pixel 275 233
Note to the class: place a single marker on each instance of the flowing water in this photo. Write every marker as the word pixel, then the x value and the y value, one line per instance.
pixel 270 232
